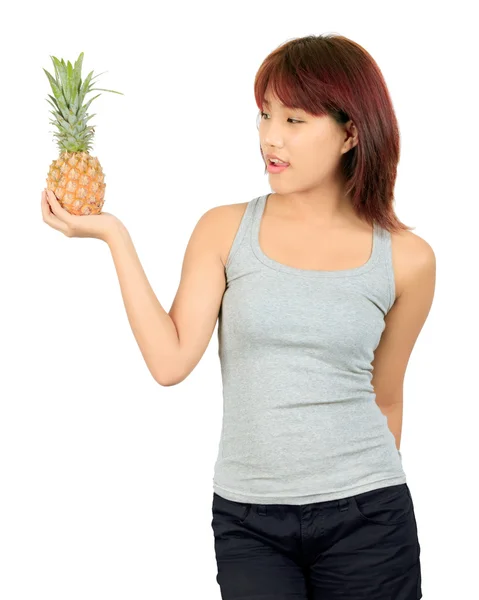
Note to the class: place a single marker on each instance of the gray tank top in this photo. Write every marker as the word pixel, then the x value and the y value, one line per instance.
pixel 300 421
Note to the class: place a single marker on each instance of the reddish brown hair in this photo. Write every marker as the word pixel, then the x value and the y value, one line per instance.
pixel 331 74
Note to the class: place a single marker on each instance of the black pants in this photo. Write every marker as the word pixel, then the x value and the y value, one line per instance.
pixel 364 547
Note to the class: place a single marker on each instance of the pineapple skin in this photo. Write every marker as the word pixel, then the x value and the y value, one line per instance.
pixel 77 180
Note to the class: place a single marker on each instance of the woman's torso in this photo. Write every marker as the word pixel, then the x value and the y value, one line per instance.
pixel 302 312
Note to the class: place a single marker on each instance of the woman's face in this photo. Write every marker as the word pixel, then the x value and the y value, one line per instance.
pixel 312 145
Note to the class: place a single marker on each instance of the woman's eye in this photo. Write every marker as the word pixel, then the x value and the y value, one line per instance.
pixel 295 120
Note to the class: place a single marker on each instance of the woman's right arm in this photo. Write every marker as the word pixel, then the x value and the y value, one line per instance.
pixel 173 343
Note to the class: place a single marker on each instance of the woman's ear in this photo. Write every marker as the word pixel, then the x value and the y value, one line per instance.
pixel 351 135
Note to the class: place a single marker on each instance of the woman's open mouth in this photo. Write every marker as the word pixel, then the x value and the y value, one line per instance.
pixel 276 168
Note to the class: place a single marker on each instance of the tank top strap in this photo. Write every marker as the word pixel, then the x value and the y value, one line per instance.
pixel 243 233
pixel 383 242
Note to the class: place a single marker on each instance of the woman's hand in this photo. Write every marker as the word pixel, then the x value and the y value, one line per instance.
pixel 85 226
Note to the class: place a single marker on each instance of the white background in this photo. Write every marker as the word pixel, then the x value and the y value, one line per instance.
pixel 106 477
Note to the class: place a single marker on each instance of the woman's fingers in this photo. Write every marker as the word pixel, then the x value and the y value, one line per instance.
pixel 56 207
pixel 49 216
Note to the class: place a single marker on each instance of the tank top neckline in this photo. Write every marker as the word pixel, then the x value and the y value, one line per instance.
pixel 269 262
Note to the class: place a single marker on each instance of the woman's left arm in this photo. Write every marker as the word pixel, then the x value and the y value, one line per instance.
pixel 417 263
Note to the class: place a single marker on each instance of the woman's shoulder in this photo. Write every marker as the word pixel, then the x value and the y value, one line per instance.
pixel 410 253
pixel 227 218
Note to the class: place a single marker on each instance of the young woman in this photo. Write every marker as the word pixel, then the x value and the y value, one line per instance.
pixel 321 293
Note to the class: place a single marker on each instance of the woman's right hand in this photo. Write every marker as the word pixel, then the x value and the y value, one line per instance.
pixel 86 226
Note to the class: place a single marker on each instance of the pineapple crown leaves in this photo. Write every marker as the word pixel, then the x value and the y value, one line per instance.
pixel 69 93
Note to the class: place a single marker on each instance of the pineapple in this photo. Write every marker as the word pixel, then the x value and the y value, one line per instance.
pixel 75 177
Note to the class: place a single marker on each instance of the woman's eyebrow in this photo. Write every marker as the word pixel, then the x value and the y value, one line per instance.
pixel 266 103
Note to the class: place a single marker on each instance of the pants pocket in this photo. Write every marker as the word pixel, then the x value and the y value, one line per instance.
pixel 387 506
pixel 237 511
